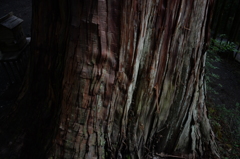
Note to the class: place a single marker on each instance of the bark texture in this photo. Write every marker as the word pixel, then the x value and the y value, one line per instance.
pixel 133 82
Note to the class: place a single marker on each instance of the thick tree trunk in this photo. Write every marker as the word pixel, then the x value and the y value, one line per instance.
pixel 227 20
pixel 216 14
pixel 234 31
pixel 133 82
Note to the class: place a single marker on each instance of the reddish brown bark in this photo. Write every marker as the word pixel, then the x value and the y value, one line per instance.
pixel 133 82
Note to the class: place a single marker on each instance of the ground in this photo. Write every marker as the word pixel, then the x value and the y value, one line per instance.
pixel 223 102
pixel 223 90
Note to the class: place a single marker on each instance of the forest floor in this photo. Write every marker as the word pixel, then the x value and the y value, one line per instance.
pixel 223 103
pixel 223 89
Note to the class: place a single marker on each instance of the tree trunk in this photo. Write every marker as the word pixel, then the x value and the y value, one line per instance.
pixel 227 20
pixel 218 26
pixel 234 31
pixel 119 79
pixel 216 17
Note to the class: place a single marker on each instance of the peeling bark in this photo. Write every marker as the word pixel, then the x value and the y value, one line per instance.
pixel 133 82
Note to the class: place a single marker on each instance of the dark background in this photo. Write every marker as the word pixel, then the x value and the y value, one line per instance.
pixel 21 9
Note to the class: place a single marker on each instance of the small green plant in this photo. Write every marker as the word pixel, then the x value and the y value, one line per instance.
pixel 222 46
pixel 210 89
pixel 215 75
pixel 211 65
pixel 237 104
pixel 208 80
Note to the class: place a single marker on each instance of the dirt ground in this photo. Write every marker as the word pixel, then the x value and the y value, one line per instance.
pixel 223 102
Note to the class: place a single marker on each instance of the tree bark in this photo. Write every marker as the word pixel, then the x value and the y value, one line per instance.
pixel 234 31
pixel 119 79
pixel 227 20
pixel 219 16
